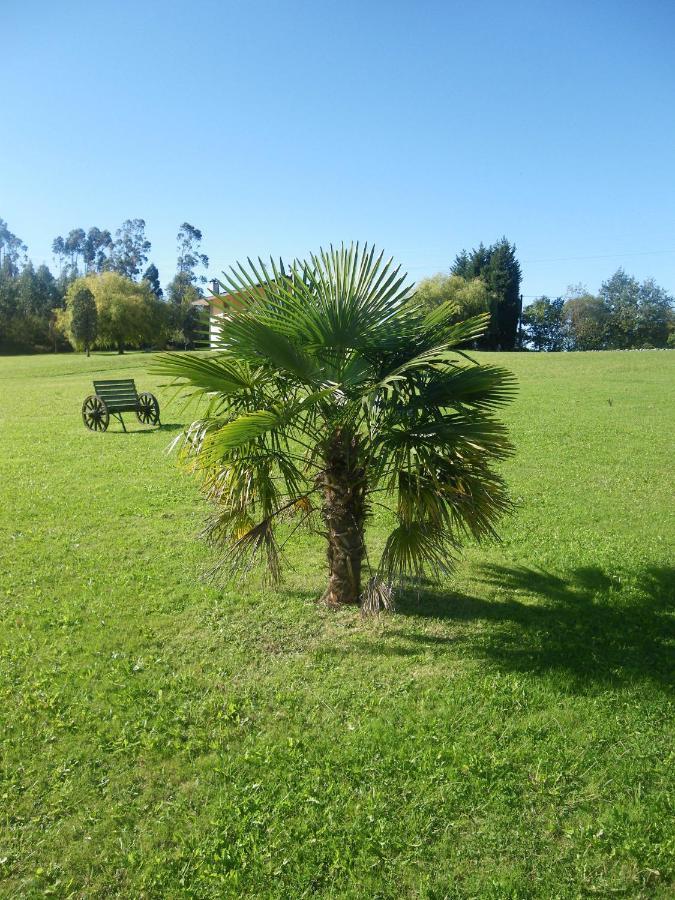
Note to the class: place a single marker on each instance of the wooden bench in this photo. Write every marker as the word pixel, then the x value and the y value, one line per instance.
pixel 112 398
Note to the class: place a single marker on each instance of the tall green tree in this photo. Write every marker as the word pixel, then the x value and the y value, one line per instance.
pixel 28 290
pixel 638 314
pixel 81 252
pixel 190 257
pixel 656 315
pixel 48 293
pixel 83 322
pixel 185 288
pixel 9 301
pixel 334 389
pixel 12 249
pixel 70 251
pixel 621 296
pixel 130 249
pixel 97 250
pixel 27 297
pixel 588 322
pixel 544 324
pixel 498 267
pixel 184 314
pixel 151 275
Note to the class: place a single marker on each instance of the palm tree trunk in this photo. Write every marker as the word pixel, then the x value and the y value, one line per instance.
pixel 344 512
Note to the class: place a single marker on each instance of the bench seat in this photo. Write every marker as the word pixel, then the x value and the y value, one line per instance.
pixel 120 395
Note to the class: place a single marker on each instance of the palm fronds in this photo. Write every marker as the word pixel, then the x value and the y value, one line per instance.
pixel 330 379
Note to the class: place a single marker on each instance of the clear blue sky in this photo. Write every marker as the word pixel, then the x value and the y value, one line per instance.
pixel 279 126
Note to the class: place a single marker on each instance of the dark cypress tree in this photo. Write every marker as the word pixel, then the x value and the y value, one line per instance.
pixel 499 268
pixel 151 275
pixel 84 317
pixel 50 297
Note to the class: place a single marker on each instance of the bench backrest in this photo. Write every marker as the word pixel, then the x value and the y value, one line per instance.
pixel 119 394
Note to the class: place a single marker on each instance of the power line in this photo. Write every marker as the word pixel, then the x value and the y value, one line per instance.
pixel 600 256
pixel 616 255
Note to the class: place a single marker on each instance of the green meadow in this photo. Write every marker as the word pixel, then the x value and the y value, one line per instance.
pixel 506 734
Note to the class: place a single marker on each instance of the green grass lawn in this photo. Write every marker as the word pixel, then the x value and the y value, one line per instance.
pixel 508 735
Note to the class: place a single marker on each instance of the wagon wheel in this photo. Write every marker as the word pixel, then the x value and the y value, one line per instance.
pixel 95 413
pixel 147 409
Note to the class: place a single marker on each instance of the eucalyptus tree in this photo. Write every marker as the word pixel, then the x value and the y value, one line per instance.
pixel 130 249
pixel 69 250
pixel 185 287
pixel 97 249
pixel 333 390
pixel 190 257
pixel 12 249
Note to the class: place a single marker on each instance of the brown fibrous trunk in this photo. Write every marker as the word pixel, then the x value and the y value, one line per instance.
pixel 343 483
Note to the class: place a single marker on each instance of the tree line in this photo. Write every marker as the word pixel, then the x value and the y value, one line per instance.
pixel 625 314
pixel 40 310
pixel 106 293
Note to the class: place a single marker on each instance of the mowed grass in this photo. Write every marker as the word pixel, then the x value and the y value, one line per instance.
pixel 507 735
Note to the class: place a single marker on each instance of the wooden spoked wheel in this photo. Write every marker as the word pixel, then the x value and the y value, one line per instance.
pixel 147 409
pixel 95 413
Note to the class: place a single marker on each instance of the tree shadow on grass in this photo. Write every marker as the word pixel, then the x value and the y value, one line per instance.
pixel 133 428
pixel 591 625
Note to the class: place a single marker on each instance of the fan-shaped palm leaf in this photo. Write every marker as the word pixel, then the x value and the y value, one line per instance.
pixel 330 382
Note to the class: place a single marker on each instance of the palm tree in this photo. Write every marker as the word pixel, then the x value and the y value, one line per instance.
pixel 333 390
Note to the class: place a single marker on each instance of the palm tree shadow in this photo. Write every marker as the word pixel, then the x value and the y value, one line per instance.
pixel 591 625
